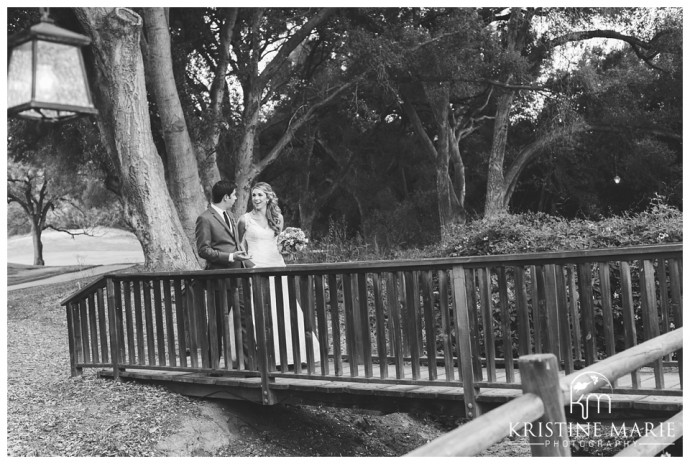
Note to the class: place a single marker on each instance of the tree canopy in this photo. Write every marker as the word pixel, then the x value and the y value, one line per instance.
pixel 397 121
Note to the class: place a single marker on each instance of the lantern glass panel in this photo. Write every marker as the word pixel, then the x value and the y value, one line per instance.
pixel 19 75
pixel 59 75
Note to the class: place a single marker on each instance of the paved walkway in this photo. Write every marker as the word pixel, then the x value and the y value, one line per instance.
pixel 94 271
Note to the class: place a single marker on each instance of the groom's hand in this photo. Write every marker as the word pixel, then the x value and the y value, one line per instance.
pixel 240 256
pixel 244 258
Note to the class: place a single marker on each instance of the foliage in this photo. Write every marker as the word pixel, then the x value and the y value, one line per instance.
pixel 519 233
pixel 59 171
pixel 66 199
pixel 380 164
pixel 535 232
pixel 408 223
pixel 17 220
pixel 339 246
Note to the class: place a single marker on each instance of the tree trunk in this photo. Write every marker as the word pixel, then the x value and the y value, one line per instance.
pixel 120 95
pixel 458 176
pixel 207 144
pixel 36 232
pixel 184 183
pixel 450 209
pixel 254 85
pixel 207 162
pixel 307 214
pixel 495 185
pixel 307 205
pixel 496 188
pixel 246 171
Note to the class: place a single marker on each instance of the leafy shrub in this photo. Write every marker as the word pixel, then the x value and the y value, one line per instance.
pixel 538 232
pixel 524 233
pixel 512 233
pixel 338 246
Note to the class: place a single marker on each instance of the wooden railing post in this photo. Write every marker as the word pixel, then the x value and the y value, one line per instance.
pixel 464 344
pixel 113 328
pixel 258 284
pixel 73 357
pixel 549 434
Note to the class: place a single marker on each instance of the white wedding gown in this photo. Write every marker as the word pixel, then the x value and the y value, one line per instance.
pixel 262 246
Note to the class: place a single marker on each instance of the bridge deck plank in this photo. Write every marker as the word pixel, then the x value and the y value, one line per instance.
pixel 301 388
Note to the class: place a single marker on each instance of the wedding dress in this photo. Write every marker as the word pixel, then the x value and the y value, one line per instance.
pixel 262 245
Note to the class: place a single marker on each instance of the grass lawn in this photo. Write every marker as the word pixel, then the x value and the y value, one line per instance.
pixel 22 273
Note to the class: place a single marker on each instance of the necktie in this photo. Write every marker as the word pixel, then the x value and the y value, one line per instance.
pixel 227 219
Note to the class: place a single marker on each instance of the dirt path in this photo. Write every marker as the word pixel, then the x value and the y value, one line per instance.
pixel 71 276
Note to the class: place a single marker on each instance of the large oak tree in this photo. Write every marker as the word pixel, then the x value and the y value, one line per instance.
pixel 125 127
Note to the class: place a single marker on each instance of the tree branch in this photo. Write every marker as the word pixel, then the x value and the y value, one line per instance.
pixel 274 65
pixel 88 232
pixel 219 82
pixel 343 167
pixel 295 126
pixel 534 149
pixel 419 129
pixel 635 43
pixel 505 85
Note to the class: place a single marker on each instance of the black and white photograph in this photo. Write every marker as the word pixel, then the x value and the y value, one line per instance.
pixel 362 230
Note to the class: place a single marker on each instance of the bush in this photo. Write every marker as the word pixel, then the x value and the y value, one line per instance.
pixel 513 233
pixel 530 232
pixel 338 246
pixel 525 233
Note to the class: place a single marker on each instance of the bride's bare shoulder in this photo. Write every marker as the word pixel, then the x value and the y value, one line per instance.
pixel 244 221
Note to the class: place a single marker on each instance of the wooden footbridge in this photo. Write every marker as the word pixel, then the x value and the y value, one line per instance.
pixel 439 335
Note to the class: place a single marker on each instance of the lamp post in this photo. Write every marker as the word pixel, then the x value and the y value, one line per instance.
pixel 46 78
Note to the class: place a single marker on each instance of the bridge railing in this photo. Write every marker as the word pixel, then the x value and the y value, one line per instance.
pixel 540 411
pixel 455 321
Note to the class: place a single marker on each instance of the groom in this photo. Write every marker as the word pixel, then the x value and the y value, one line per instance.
pixel 217 239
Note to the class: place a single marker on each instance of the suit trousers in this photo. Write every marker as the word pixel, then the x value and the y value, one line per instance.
pixel 199 323
pixel 225 316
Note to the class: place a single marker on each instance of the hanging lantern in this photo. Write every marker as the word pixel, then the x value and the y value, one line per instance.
pixel 617 179
pixel 46 78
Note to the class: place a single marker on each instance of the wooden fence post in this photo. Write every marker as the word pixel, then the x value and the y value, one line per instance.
pixel 549 434
pixel 73 358
pixel 259 282
pixel 463 340
pixel 112 326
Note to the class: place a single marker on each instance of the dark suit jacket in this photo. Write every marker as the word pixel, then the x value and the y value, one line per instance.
pixel 215 240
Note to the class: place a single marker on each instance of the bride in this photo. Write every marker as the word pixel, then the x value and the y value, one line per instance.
pixel 258 230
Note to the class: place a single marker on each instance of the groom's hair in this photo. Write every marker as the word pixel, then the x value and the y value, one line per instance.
pixel 220 189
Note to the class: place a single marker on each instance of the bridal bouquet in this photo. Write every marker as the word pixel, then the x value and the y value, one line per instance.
pixel 292 240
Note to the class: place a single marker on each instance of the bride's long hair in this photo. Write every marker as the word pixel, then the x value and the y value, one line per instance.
pixel 273 213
